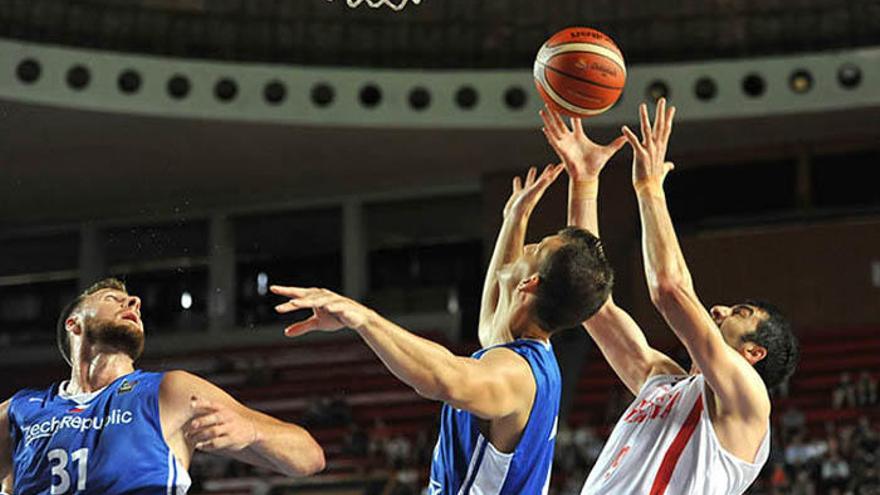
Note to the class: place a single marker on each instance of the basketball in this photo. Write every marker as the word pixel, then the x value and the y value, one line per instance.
pixel 580 72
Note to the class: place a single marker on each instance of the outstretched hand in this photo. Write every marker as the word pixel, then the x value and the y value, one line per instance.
pixel 649 154
pixel 524 197
pixel 583 158
pixel 330 311
pixel 215 427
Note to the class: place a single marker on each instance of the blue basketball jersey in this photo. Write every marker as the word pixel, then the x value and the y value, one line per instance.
pixel 108 442
pixel 465 463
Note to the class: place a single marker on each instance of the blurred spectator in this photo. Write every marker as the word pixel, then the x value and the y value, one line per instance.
pixel 327 411
pixel 866 389
pixel 407 480
pixel 834 472
pixel 866 438
pixel 782 390
pixel 424 448
pixel 797 453
pixel 778 479
pixel 867 482
pixel 398 451
pixel 844 394
pixel 565 455
pixel 357 442
pixel 793 421
pixel 803 485
pixel 314 412
pixel 379 435
pixel 588 444
pixel 338 411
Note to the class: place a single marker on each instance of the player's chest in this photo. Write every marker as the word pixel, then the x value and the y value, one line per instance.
pixel 66 424
pixel 658 405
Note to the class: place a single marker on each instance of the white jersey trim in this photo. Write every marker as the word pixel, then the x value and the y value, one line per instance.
pixel 654 378
pixel 487 471
pixel 170 483
pixel 178 478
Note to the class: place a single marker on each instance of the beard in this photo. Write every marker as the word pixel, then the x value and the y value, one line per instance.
pixel 120 336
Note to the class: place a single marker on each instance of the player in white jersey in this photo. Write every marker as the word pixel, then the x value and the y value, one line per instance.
pixel 703 432
pixel 498 423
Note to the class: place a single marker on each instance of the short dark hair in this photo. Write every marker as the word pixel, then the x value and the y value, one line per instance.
pixel 61 328
pixel 576 281
pixel 774 334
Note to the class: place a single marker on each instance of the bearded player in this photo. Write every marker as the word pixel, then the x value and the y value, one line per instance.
pixel 705 432
pixel 498 421
pixel 113 429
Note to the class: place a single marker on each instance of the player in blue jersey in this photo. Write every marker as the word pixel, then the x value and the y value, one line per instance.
pixel 112 429
pixel 498 423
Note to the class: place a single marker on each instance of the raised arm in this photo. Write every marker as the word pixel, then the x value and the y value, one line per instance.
pixel 584 161
pixel 509 245
pixel 617 335
pixel 498 385
pixel 212 421
pixel 738 388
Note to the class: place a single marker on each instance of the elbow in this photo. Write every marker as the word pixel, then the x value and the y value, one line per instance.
pixel 318 462
pixel 312 463
pixel 667 291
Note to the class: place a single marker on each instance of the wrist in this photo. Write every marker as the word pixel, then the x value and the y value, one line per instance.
pixel 257 439
pixel 584 189
pixel 581 173
pixel 368 322
pixel 649 187
pixel 517 217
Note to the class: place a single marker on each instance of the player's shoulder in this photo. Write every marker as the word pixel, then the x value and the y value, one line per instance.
pixel 24 400
pixel 181 386
pixel 179 379
pixel 32 394
pixel 177 388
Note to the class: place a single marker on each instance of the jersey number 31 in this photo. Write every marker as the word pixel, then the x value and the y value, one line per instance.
pixel 59 460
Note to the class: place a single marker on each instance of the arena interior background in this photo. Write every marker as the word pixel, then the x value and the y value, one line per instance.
pixel 203 149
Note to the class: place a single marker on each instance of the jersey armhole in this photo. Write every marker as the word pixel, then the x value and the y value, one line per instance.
pixel 653 378
pixel 764 446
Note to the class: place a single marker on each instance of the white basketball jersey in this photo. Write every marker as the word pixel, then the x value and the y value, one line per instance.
pixel 665 444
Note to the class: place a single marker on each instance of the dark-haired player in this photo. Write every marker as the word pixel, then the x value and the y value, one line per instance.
pixel 498 423
pixel 705 432
pixel 113 429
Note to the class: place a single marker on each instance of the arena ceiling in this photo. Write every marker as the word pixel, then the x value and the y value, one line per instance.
pixel 439 33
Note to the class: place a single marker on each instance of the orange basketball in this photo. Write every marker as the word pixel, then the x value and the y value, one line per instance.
pixel 580 72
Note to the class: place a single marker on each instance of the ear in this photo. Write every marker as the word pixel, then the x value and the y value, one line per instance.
pixel 73 324
pixel 753 352
pixel 529 285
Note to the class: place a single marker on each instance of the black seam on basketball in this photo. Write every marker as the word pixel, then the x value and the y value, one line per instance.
pixel 617 51
pixel 554 69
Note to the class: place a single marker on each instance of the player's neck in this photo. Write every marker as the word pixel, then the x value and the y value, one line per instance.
pixel 523 326
pixel 97 371
pixel 535 332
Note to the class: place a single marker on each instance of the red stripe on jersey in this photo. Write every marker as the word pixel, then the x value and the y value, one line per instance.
pixel 667 467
